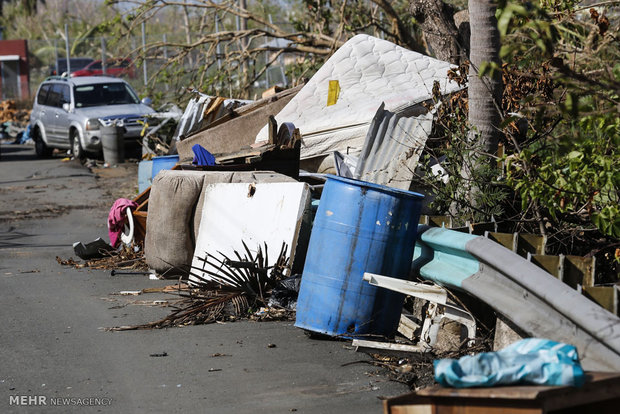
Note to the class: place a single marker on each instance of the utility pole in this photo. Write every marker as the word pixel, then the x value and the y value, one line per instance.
pixel 165 38
pixel 146 77
pixel 217 47
pixel 103 53
pixel 244 40
pixel 244 21
pixel 56 56
pixel 67 49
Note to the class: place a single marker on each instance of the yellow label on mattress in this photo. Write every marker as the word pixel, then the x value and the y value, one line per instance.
pixel 333 92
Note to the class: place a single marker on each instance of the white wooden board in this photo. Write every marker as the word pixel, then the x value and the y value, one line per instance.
pixel 272 215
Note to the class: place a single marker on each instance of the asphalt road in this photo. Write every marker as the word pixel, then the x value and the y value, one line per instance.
pixel 52 344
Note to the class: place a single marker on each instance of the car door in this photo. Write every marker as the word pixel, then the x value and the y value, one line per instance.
pixel 57 116
pixel 53 107
pixel 62 121
pixel 39 110
pixel 46 112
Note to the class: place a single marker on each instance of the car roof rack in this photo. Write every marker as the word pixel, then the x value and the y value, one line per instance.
pixel 56 77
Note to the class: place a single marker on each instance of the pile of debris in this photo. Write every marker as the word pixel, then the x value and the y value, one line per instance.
pixel 13 121
pixel 10 113
pixel 232 290
pixel 248 219
pixel 125 258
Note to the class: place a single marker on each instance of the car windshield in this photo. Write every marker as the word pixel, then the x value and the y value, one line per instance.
pixel 104 94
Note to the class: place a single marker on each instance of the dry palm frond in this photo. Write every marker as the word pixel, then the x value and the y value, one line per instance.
pixel 249 274
pixel 197 310
pixel 229 288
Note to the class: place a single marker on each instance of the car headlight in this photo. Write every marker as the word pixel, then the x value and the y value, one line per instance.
pixel 92 124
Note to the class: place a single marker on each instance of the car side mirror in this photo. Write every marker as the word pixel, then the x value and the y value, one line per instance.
pixel 66 107
pixel 147 101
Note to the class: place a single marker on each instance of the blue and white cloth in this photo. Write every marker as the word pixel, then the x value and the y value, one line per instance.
pixel 529 361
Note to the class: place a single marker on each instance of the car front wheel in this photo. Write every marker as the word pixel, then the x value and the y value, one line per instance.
pixel 76 148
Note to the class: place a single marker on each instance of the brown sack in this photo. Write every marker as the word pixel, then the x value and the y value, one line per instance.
pixel 169 243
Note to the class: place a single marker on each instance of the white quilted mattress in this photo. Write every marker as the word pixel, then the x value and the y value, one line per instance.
pixel 370 71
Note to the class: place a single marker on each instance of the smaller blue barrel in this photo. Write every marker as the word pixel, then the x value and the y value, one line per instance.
pixel 145 175
pixel 359 227
pixel 165 162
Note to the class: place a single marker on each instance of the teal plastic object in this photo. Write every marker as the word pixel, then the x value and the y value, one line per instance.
pixel 441 256
pixel 529 361
pixel 359 227
pixel 165 162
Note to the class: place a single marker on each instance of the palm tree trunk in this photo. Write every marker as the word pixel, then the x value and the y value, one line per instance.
pixel 484 92
pixel 484 105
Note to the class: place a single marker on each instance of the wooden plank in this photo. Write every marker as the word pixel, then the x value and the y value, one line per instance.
pixel 273 130
pixel 599 387
pixel 440 221
pixel 407 327
pixel 423 219
pixel 409 399
pixel 551 264
pixel 600 394
pixel 579 270
pixel 505 334
pixel 262 102
pixel 142 199
pixel 593 380
pixel 457 407
pixel 139 220
pixel 244 153
pixel 508 240
pixel 510 392
pixel 530 243
pixel 479 229
pixel 412 409
pixel 464 229
pixel 606 296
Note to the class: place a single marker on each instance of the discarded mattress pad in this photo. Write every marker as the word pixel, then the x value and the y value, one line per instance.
pixel 369 71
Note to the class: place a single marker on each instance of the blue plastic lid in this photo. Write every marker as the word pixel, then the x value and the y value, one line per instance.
pixel 373 186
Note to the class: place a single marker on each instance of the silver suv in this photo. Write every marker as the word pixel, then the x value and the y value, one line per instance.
pixel 67 111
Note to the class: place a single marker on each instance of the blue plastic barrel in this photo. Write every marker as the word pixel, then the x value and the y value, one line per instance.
pixel 359 227
pixel 165 162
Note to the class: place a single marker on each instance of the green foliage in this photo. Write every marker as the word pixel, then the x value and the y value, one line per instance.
pixel 537 31
pixel 568 162
pixel 576 181
pixel 476 196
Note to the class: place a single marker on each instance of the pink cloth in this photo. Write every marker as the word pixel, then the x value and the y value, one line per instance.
pixel 117 219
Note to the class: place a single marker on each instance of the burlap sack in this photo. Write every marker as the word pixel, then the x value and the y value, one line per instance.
pixel 169 243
